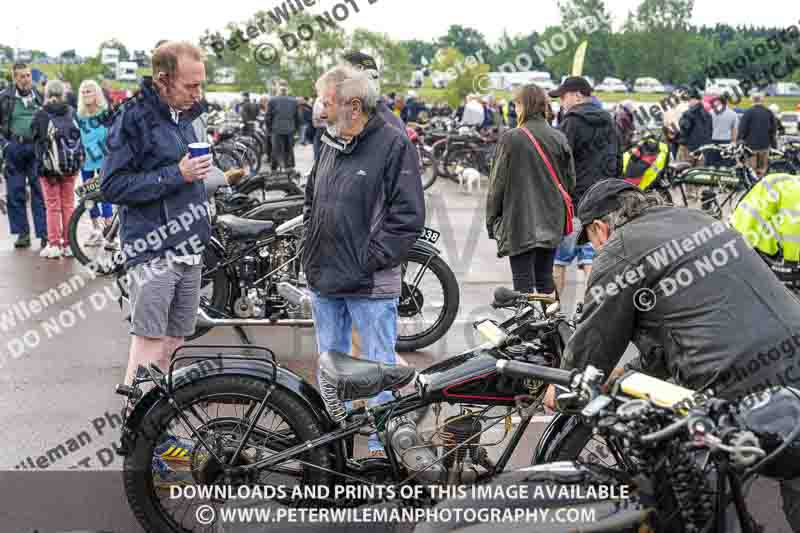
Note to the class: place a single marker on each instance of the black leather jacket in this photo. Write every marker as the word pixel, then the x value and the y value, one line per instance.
pixel 7 109
pixel 702 307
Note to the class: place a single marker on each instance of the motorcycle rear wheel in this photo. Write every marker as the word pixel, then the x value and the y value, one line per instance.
pixel 301 425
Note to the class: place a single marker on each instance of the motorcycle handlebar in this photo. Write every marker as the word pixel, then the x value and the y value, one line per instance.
pixel 555 376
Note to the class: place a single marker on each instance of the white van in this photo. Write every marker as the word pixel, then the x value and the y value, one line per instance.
pixel 648 85
pixel 126 71
pixel 720 86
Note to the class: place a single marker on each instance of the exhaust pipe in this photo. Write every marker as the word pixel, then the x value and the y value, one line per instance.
pixel 295 296
pixel 205 321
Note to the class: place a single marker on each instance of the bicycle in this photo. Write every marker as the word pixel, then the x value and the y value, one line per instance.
pixel 733 182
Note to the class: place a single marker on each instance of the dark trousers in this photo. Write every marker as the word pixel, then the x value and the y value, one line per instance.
pixel 790 494
pixel 21 171
pixel 533 268
pixel 282 151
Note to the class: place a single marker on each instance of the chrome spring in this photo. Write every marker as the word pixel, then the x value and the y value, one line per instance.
pixel 330 397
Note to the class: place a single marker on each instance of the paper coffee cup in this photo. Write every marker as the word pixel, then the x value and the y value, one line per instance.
pixel 199 149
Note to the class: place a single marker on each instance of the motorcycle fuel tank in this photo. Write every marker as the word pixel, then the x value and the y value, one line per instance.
pixel 278 211
pixel 468 378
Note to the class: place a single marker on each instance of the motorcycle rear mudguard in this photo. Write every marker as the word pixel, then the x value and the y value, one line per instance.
pixel 286 379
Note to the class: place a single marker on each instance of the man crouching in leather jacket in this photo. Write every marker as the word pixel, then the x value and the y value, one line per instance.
pixel 698 302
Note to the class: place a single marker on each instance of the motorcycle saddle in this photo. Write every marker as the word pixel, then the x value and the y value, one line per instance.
pixel 680 166
pixel 355 379
pixel 243 229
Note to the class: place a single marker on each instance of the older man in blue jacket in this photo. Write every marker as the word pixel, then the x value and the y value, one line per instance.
pixel 365 209
pixel 164 216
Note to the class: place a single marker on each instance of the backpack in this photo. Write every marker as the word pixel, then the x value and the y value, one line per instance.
pixel 63 153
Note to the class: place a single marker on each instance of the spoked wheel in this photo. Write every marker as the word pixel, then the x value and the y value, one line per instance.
pixel 427 169
pixel 428 303
pixel 220 408
pixel 92 241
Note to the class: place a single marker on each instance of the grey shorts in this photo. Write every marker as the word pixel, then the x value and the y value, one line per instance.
pixel 164 298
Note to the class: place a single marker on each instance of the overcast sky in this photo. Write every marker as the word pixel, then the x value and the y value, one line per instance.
pixel 55 26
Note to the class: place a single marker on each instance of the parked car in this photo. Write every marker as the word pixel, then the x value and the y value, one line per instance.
pixel 648 85
pixel 720 86
pixel 787 88
pixel 790 120
pixel 612 85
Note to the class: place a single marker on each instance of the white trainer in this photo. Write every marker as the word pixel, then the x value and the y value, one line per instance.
pixel 50 252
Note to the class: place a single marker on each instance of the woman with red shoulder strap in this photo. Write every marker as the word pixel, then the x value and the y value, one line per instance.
pixel 529 207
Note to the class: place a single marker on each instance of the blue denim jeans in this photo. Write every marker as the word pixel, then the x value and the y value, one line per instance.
pixel 21 172
pixel 375 320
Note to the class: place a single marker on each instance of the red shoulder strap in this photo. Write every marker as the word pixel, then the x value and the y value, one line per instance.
pixel 567 200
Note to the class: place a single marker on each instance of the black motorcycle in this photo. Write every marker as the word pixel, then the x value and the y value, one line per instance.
pixel 253 262
pixel 245 420
pixel 94 242
pixel 687 456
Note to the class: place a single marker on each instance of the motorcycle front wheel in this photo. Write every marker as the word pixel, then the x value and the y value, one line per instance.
pixel 166 455
pixel 429 302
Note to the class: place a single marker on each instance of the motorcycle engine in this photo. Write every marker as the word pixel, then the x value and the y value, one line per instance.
pixel 251 302
pixel 263 300
pixel 454 448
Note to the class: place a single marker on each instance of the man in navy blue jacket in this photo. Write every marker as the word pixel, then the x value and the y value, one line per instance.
pixel 365 209
pixel 164 212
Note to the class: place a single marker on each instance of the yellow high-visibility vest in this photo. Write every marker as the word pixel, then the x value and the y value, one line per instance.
pixel 769 216
pixel 653 170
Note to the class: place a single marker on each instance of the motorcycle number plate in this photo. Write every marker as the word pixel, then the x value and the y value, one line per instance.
pixel 90 186
pixel 430 235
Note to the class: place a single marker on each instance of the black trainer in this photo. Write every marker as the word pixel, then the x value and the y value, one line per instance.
pixel 23 241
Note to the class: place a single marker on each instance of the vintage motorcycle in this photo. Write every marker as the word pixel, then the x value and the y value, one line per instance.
pixel 687 456
pixel 251 265
pixel 249 421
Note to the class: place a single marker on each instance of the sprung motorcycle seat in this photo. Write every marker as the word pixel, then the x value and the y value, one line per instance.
pixel 243 229
pixel 679 166
pixel 355 379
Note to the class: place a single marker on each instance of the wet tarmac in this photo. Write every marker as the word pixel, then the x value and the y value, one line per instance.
pixel 64 346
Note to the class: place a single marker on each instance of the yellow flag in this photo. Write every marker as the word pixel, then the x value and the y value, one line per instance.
pixel 577 63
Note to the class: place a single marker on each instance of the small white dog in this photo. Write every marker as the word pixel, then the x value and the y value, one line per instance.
pixel 470 176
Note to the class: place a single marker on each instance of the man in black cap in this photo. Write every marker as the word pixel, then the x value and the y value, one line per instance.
pixel 687 290
pixel 362 61
pixel 592 135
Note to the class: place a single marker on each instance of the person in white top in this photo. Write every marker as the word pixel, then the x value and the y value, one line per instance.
pixel 474 114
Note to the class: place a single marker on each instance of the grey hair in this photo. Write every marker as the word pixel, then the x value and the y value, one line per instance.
pixel 54 89
pixel 632 205
pixel 350 84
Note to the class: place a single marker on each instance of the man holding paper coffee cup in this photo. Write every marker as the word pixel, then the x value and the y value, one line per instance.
pixel 156 171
